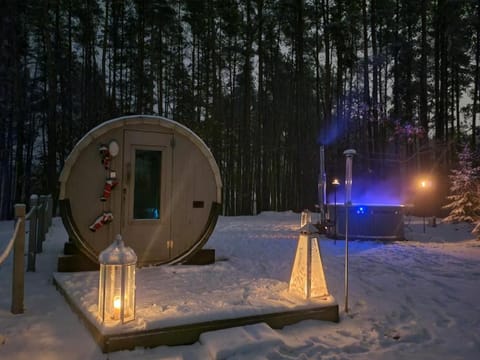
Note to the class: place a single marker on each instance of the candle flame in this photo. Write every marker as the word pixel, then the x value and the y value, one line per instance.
pixel 117 303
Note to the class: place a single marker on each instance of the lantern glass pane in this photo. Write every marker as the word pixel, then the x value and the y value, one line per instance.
pixel 112 291
pixel 101 294
pixel 129 298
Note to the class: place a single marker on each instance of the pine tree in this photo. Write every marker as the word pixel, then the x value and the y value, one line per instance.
pixel 465 196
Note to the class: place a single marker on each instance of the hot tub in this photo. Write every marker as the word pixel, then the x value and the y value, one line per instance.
pixel 368 221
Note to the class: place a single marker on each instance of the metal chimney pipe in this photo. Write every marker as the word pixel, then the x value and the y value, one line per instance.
pixel 348 202
pixel 322 186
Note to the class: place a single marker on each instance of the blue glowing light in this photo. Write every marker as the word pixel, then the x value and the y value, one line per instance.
pixel 361 210
pixel 368 191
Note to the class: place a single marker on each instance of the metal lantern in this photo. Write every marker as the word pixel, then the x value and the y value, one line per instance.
pixel 116 290
pixel 336 184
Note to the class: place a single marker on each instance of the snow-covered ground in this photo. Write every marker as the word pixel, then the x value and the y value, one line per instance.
pixel 417 299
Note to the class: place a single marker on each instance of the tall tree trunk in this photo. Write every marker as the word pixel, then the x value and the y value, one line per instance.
pixel 246 179
pixel 7 108
pixel 115 56
pixel 396 71
pixel 439 72
pixel 476 85
pixel 327 86
pixel 18 116
pixel 105 50
pixel 69 135
pixel 375 73
pixel 423 113
pixel 18 111
pixel 366 81
pixel 340 82
pixel 263 129
pixel 457 98
pixel 444 78
pixel 51 109
pixel 316 55
pixel 140 61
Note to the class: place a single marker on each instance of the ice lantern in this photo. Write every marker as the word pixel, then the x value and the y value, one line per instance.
pixel 116 289
pixel 305 218
pixel 307 279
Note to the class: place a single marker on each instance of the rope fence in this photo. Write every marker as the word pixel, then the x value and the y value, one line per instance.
pixel 9 247
pixel 40 219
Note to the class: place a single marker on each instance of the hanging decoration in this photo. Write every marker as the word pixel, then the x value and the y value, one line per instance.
pixel 105 156
pixel 103 219
pixel 110 184
pixel 107 153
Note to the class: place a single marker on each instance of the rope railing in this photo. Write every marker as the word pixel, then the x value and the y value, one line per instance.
pixel 29 214
pixel 9 247
pixel 40 219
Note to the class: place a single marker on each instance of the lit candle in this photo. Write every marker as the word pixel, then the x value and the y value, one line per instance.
pixel 117 304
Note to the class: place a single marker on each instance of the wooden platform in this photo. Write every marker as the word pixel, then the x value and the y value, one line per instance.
pixel 123 337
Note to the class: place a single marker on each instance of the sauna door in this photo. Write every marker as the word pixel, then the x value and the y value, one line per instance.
pixel 146 189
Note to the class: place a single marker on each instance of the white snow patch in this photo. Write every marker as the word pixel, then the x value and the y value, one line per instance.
pixel 408 299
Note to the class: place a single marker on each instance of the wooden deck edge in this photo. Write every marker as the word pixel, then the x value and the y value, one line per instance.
pixel 97 335
pixel 190 333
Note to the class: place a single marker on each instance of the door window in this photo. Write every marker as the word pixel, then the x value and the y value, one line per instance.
pixel 148 165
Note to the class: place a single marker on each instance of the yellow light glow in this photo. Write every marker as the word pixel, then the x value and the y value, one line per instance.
pixel 425 183
pixel 117 303
pixel 335 182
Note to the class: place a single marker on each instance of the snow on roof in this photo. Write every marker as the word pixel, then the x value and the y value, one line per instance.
pixel 117 254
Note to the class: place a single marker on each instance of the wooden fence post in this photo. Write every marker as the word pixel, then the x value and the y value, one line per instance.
pixel 46 210
pixel 44 215
pixel 32 234
pixel 41 223
pixel 18 278
pixel 50 210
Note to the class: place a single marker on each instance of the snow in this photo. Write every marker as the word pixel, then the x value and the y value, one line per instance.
pixel 117 254
pixel 408 299
pixel 177 295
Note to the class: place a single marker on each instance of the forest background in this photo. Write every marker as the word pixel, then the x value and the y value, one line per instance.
pixel 262 82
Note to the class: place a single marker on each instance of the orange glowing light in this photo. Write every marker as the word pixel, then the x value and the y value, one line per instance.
pixel 425 184
pixel 117 304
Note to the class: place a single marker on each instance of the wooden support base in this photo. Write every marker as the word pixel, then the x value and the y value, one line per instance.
pixel 74 263
pixel 202 257
pixel 74 260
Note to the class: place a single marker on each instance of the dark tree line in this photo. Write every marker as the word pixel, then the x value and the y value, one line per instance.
pixel 263 82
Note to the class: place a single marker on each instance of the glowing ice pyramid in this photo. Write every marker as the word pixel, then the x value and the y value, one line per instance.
pixel 308 279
